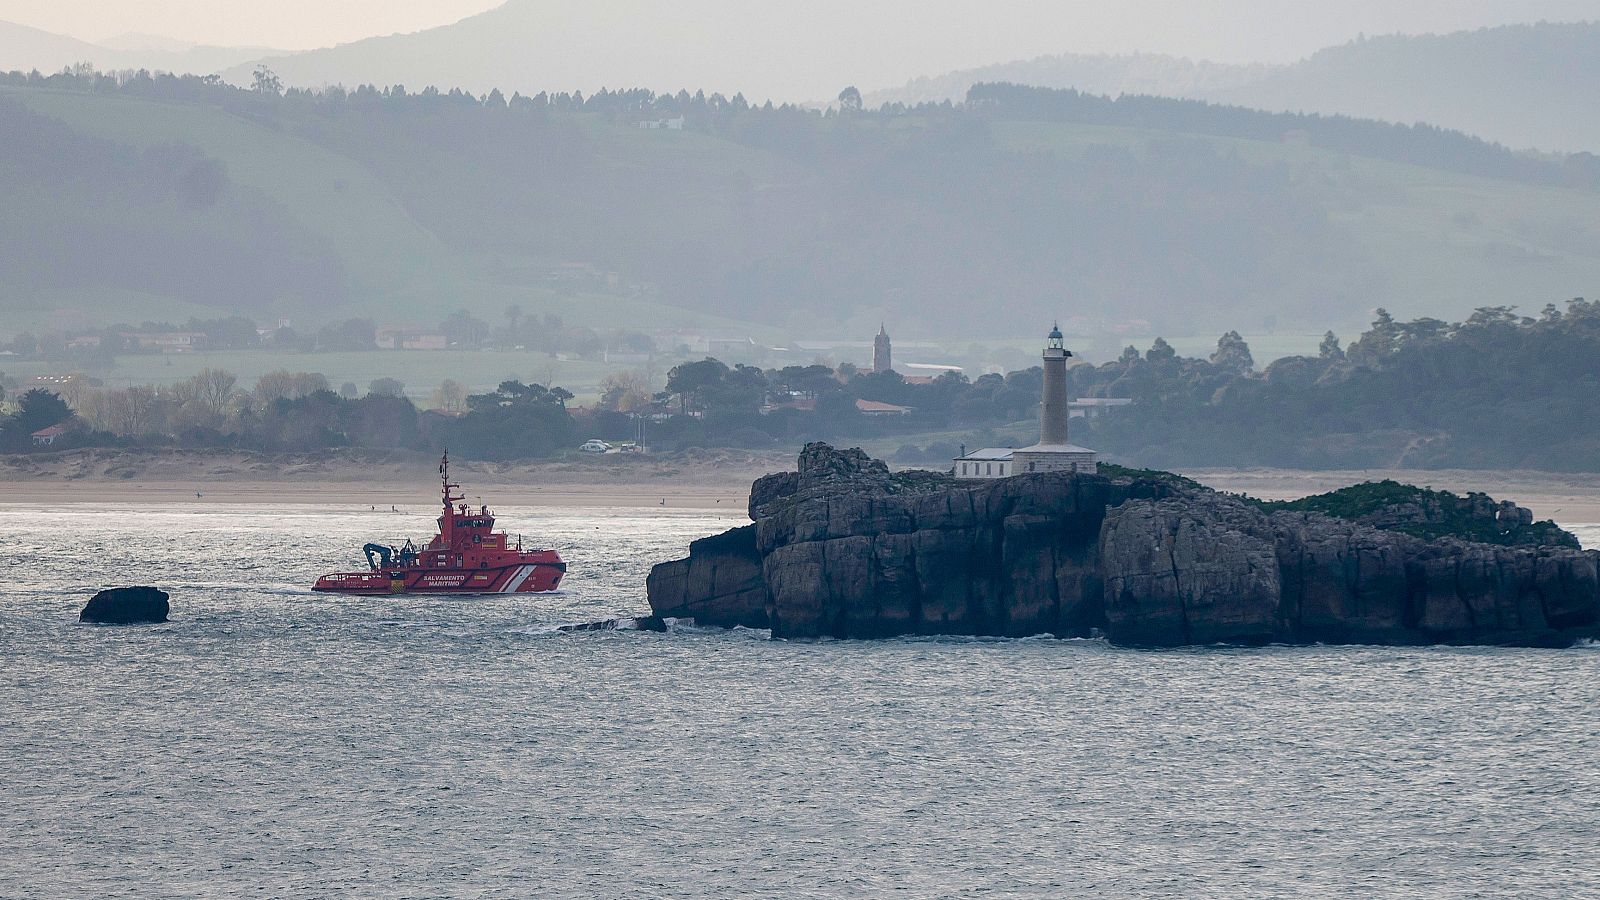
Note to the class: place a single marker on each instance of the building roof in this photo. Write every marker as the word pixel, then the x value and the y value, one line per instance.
pixel 988 454
pixel 873 406
pixel 1055 448
pixel 52 431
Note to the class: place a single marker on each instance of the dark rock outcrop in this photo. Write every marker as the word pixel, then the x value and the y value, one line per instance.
pixel 844 548
pixel 633 623
pixel 126 606
pixel 719 584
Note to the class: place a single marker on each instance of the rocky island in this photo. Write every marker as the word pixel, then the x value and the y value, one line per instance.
pixel 845 548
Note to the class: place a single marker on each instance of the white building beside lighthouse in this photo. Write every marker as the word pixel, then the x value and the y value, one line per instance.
pixel 1054 452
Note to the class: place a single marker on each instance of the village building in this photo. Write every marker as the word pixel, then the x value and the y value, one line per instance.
pixel 44 437
pixel 874 408
pixel 1095 407
pixel 673 124
pixel 990 462
pixel 166 341
pixel 404 337
pixel 1054 452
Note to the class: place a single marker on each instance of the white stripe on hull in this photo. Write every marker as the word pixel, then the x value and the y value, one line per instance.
pixel 516 580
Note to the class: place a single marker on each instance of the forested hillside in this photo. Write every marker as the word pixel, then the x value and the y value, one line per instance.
pixel 1172 216
pixel 1519 85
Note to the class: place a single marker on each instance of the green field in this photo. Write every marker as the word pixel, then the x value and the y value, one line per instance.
pixel 1434 233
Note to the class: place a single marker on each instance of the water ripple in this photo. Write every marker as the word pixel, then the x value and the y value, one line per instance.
pixel 272 742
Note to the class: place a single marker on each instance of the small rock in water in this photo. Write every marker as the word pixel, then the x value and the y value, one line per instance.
pixel 632 623
pixel 126 606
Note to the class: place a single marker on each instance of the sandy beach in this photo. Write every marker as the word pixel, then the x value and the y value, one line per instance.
pixel 705 479
pixel 713 479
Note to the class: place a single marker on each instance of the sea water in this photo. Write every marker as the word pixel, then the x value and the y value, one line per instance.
pixel 277 743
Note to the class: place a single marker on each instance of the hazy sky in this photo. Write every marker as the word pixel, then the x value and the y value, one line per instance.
pixel 1226 30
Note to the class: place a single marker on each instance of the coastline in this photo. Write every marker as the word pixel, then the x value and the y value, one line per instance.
pixel 703 480
pixel 696 479
pixel 698 497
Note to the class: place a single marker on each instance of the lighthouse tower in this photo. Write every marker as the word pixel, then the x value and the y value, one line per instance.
pixel 1054 452
pixel 882 359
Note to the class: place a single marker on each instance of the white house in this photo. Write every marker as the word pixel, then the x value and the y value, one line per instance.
pixel 990 462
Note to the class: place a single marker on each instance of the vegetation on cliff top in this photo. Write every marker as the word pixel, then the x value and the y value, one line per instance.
pixel 1428 514
pixel 1112 470
pixel 1418 511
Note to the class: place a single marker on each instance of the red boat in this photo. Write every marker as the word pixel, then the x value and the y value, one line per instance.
pixel 467 556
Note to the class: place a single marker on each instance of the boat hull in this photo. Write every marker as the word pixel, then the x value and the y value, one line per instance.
pixel 519 578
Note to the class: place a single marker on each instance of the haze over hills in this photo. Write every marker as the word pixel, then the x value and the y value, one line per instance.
pixel 1140 214
pixel 1154 74
pixel 24 49
pixel 1520 85
pixel 1483 82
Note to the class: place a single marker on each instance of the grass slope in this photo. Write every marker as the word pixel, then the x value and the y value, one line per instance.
pixel 1428 241
pixel 1432 234
pixel 400 271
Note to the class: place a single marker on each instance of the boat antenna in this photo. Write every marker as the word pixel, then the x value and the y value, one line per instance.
pixel 444 477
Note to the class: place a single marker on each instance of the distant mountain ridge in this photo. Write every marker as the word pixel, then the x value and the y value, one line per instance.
pixel 1154 74
pixel 26 49
pixel 1525 86
pixel 1520 85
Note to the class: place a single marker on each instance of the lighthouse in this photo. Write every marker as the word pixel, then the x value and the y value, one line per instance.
pixel 1055 451
pixel 882 353
pixel 1053 406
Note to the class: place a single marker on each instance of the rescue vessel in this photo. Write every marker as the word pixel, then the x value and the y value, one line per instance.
pixel 467 556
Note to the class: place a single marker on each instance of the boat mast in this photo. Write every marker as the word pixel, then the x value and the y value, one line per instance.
pixel 447 521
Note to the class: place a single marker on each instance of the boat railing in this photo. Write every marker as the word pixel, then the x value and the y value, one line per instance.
pixel 354 576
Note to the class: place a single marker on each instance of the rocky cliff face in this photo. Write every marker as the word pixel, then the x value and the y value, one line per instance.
pixel 844 548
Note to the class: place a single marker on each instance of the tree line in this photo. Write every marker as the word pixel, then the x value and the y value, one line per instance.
pixel 1418 143
pixel 292 412
pixel 1498 390
pixel 547 333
